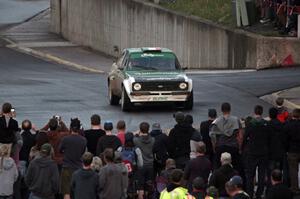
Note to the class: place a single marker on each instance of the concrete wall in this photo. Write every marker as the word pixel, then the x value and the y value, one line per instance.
pixel 103 24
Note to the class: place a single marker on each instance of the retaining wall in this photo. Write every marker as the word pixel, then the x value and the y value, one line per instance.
pixel 103 24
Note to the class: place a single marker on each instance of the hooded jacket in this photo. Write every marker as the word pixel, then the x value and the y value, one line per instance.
pixel 84 184
pixel 176 193
pixel 224 131
pixel 179 141
pixel 145 143
pixel 42 177
pixel 8 175
pixel 257 137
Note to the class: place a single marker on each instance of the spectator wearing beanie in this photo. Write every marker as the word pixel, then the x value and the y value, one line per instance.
pixel 84 183
pixel 72 147
pixel 179 141
pixel 108 140
pixel 94 134
pixel 8 173
pixel 160 150
pixel 234 188
pixel 42 177
pixel 204 130
pixel 121 129
pixel 223 174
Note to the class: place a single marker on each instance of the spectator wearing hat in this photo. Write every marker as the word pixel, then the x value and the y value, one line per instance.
pixel 145 142
pixel 111 184
pixel 8 173
pixel 71 155
pixel 42 177
pixel 234 188
pixel 223 174
pixel 84 183
pixel 108 140
pixel 121 129
pixel 204 130
pixel 224 134
pixel 94 134
pixel 179 141
pixel 196 137
pixel 198 167
pixel 278 190
pixel 160 150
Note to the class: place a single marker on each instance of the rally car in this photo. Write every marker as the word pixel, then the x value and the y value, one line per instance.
pixel 148 75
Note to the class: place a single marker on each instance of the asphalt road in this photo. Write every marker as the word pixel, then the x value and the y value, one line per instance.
pixel 39 89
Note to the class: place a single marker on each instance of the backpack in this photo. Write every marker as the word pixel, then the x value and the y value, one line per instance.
pixel 129 158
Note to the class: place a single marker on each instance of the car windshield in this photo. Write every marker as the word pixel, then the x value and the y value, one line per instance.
pixel 153 61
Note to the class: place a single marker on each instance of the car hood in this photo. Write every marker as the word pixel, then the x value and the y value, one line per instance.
pixel 156 75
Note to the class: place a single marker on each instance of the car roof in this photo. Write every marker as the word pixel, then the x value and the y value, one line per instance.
pixel 143 49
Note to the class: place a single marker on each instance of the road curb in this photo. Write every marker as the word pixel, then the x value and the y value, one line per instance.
pixel 272 100
pixel 52 58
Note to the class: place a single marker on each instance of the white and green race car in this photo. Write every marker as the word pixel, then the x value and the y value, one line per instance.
pixel 148 75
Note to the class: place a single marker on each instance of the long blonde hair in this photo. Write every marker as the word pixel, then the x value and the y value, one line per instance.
pixel 4 149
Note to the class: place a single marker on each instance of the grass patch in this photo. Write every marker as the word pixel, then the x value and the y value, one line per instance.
pixel 214 10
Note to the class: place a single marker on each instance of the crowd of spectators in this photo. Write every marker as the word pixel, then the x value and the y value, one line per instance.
pixel 282 14
pixel 226 158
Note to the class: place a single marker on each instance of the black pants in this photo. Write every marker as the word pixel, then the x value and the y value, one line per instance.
pixel 294 159
pixel 261 163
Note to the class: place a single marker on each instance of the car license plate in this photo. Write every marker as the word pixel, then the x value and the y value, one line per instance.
pixel 159 98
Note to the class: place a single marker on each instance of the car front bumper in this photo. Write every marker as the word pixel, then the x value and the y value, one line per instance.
pixel 174 96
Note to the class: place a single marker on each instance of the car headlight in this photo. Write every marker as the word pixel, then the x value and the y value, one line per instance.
pixel 137 86
pixel 183 85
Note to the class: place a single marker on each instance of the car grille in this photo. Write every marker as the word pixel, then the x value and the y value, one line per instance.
pixel 160 86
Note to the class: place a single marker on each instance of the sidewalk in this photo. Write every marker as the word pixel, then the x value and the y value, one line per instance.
pixel 291 96
pixel 33 37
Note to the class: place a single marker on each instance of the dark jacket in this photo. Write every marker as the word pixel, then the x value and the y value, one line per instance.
pixel 220 177
pixel 92 136
pixel 241 195
pixel 84 184
pixel 257 137
pixel 179 141
pixel 42 177
pixel 108 141
pixel 197 167
pixel 277 137
pixel 292 131
pixel 204 130
pixel 279 191
pixel 28 143
pixel 145 143
pixel 160 150
pixel 7 132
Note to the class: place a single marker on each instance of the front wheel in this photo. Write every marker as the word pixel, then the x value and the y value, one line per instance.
pixel 126 105
pixel 188 105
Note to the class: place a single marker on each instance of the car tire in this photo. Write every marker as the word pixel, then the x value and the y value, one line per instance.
pixel 126 105
pixel 188 105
